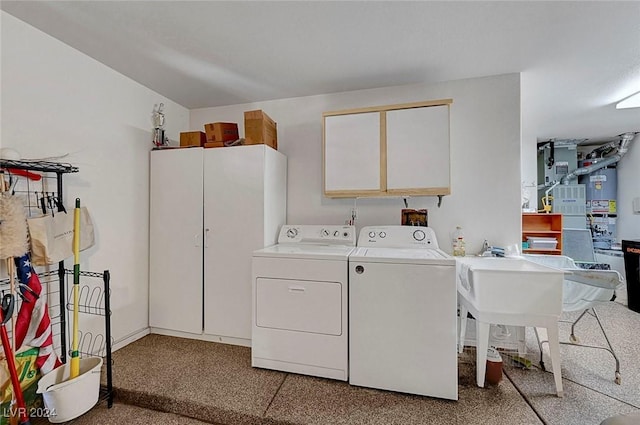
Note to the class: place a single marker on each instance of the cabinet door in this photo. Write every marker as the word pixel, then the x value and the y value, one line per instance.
pixel 352 153
pixel 234 228
pixel 175 240
pixel 418 149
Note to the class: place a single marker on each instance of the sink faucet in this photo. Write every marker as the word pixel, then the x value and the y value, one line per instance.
pixel 490 251
pixel 486 249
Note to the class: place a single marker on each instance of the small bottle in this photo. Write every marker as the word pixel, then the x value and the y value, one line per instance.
pixel 457 239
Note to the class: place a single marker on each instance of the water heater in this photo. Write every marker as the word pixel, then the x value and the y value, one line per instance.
pixel 601 188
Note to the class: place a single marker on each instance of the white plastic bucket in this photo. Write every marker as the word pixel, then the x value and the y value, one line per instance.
pixel 67 399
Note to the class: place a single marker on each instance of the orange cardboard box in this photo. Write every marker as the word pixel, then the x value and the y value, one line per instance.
pixel 221 132
pixel 192 138
pixel 260 128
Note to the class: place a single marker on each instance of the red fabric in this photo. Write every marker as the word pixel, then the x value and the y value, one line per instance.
pixel 33 325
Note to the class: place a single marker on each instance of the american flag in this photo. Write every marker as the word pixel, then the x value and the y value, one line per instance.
pixel 33 325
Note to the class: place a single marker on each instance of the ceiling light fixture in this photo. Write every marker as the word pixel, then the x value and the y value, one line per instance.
pixel 632 101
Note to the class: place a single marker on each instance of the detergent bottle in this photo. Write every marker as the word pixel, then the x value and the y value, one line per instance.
pixel 457 240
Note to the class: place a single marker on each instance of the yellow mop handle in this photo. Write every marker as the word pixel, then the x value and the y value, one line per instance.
pixel 75 355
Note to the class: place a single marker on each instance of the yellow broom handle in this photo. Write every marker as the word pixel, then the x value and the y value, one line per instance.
pixel 75 355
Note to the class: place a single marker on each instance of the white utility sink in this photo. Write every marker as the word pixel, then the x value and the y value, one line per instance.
pixel 510 285
pixel 509 291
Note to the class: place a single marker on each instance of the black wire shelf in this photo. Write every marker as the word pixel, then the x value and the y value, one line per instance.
pixel 43 166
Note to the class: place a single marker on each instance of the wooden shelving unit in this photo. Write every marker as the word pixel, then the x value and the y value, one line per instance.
pixel 542 225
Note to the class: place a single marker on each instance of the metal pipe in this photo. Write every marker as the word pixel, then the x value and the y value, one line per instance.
pixel 545 200
pixel 624 143
pixel 591 168
pixel 546 192
pixel 626 138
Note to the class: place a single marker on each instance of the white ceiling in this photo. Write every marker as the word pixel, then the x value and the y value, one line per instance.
pixel 577 58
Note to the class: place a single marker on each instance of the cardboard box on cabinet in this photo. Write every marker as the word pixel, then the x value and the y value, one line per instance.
pixel 221 132
pixel 192 138
pixel 259 128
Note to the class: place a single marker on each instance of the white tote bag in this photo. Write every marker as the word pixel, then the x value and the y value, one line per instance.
pixel 52 236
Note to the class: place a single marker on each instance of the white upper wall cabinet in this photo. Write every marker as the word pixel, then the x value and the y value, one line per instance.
pixel 390 150
pixel 418 148
pixel 352 152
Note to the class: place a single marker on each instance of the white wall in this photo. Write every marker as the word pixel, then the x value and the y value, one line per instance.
pixel 56 100
pixel 485 155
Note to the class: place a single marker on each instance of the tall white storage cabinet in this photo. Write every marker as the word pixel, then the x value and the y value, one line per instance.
pixel 210 209
pixel 175 240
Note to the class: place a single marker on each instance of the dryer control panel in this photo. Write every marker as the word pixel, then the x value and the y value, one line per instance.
pixel 318 234
pixel 398 237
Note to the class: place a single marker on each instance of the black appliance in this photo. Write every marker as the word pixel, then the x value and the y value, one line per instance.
pixel 631 251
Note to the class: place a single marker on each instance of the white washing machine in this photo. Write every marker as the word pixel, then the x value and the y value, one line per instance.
pixel 403 313
pixel 300 300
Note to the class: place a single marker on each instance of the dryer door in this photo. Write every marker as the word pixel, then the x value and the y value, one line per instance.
pixel 299 305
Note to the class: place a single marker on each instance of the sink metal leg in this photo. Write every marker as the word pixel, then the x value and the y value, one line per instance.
pixel 541 341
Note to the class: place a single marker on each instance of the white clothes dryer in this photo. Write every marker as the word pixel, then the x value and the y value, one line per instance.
pixel 300 299
pixel 402 313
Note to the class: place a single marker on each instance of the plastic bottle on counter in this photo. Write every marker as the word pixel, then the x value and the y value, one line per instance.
pixel 457 239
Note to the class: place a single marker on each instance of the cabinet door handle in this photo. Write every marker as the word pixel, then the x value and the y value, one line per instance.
pixel 296 289
pixel 206 238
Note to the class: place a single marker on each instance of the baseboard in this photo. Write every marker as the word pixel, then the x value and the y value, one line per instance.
pixel 132 337
pixel 203 337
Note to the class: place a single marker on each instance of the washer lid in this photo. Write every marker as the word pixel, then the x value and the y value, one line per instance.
pixel 402 255
pixel 306 251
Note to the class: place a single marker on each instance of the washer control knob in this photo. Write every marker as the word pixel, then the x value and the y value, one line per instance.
pixel 419 235
pixel 336 233
pixel 324 232
pixel 383 235
pixel 359 269
pixel 372 234
pixel 292 232
pixel 345 234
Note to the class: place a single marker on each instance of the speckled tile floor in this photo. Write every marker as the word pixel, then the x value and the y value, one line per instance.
pixel 216 383
pixel 167 380
pixel 591 395
pixel 120 414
